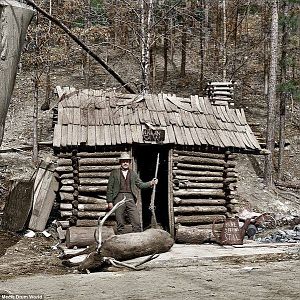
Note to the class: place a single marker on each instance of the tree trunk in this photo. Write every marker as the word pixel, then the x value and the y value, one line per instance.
pixel 283 94
pixel 268 178
pixel 224 52
pixel 14 20
pixel 166 47
pixel 183 47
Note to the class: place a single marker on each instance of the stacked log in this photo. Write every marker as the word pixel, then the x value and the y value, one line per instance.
pixel 203 188
pixel 83 183
pixel 220 93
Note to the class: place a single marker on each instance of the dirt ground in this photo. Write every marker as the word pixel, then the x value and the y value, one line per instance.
pixel 208 280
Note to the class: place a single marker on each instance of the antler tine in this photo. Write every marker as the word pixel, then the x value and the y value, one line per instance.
pixel 149 258
pixel 99 240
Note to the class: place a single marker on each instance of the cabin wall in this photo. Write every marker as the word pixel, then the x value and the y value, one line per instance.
pixel 83 183
pixel 204 185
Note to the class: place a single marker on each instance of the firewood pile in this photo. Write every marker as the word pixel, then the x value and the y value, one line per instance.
pixel 204 186
pixel 220 93
pixel 83 180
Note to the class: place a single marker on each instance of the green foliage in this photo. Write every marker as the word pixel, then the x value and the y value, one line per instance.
pixel 99 15
pixel 291 87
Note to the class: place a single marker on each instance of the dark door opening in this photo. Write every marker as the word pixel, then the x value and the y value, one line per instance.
pixel 146 156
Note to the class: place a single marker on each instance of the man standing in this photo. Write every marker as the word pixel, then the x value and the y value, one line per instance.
pixel 124 182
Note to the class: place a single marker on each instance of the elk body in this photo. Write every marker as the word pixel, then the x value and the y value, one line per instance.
pixel 123 247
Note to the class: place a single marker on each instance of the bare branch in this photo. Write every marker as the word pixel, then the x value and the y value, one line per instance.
pixel 82 45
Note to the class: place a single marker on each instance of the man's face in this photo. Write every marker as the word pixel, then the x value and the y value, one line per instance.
pixel 125 163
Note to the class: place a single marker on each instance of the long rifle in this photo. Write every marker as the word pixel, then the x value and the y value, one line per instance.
pixel 152 206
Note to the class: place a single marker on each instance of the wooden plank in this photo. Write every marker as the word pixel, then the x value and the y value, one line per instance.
pixel 202 105
pixel 178 118
pixel 195 136
pixel 211 122
pixel 223 109
pixel 123 134
pixel 113 134
pixel 84 116
pixel 166 103
pixel 107 134
pixel 43 202
pixel 244 120
pixel 205 135
pixel 239 138
pixel 147 116
pixel 70 135
pixel 106 116
pixel 64 135
pixel 141 115
pixel 139 129
pixel 155 118
pixel 131 119
pixel 188 136
pixel 75 134
pixel 203 120
pixel 101 136
pixel 222 137
pixel 180 104
pixel 117 134
pixel 125 114
pixel 57 135
pixel 172 118
pixel 97 134
pixel 200 136
pixel 161 103
pixel 197 103
pixel 134 133
pixel 91 135
pixel 185 119
pixel 216 134
pixel 128 134
pixel 91 116
pixel 83 135
pixel 178 135
pixel 149 103
pixel 99 120
pixel 18 206
pixel 171 134
pixel 155 102
pixel 251 137
pixel 161 117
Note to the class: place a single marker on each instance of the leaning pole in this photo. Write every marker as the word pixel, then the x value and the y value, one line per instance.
pixel 14 20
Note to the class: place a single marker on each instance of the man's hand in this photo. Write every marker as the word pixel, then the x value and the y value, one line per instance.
pixel 154 181
pixel 110 206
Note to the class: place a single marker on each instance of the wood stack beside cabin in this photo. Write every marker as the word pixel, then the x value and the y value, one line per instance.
pixel 83 182
pixel 220 93
pixel 203 190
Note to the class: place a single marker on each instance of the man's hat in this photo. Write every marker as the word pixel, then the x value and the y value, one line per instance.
pixel 125 156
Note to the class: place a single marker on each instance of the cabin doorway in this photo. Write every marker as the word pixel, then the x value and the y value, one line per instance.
pixel 145 160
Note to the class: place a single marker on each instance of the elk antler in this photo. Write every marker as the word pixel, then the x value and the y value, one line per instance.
pixel 99 229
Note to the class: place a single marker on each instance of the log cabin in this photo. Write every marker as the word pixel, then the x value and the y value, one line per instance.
pixel 196 140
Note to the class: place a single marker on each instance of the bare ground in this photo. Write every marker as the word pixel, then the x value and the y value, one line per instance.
pixel 208 280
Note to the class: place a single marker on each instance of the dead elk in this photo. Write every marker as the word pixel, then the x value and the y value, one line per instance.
pixel 123 247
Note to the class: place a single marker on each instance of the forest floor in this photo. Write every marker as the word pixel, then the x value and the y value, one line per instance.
pixel 25 256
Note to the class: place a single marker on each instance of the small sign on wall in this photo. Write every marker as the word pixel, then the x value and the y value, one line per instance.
pixel 153 135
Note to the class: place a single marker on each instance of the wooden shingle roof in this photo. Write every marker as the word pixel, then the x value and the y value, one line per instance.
pixel 101 118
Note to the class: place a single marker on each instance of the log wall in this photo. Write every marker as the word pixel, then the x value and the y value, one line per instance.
pixel 83 182
pixel 204 185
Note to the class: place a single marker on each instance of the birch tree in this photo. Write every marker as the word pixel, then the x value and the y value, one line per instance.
pixel 270 139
